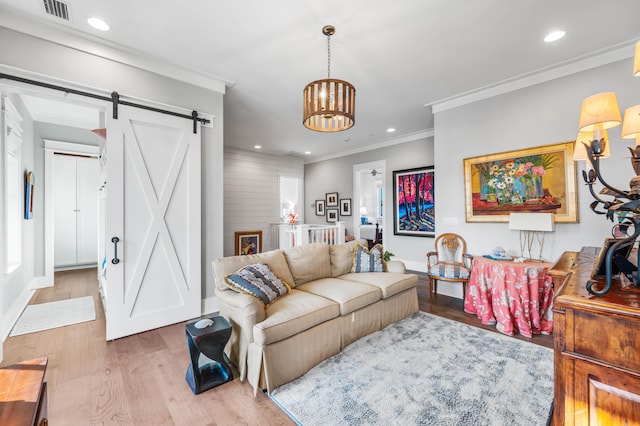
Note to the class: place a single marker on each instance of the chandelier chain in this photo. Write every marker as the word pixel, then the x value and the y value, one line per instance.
pixel 328 56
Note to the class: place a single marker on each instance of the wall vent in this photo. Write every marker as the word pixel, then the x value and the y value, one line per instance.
pixel 296 154
pixel 57 8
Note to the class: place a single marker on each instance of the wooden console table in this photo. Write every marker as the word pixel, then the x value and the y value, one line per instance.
pixel 23 394
pixel 596 343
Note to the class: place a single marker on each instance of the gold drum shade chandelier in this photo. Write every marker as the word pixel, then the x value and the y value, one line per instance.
pixel 329 104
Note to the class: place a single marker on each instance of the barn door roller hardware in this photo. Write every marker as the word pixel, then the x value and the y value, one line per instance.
pixel 114 99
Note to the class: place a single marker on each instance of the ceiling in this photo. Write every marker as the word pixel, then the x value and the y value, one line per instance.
pixel 402 57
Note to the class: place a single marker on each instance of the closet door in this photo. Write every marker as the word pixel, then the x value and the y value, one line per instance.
pixel 75 210
pixel 64 205
pixel 87 206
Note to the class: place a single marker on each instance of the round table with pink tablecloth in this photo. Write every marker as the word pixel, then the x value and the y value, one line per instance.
pixel 516 297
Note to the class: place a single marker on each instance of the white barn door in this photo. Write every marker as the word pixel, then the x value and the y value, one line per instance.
pixel 153 208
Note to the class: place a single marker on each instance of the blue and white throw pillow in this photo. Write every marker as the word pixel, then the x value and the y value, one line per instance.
pixel 259 281
pixel 365 260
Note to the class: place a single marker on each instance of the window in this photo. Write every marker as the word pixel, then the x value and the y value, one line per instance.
pixel 12 132
pixel 290 198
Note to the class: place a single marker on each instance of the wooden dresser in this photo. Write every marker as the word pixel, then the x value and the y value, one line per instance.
pixel 23 394
pixel 597 347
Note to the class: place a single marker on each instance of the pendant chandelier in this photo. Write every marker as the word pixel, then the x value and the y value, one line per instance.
pixel 329 104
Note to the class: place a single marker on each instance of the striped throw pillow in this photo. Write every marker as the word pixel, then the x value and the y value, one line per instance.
pixel 259 281
pixel 365 260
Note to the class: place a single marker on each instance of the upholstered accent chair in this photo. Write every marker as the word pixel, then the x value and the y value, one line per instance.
pixel 450 262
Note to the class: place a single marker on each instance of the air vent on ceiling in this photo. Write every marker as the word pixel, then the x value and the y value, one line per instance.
pixel 295 154
pixel 57 8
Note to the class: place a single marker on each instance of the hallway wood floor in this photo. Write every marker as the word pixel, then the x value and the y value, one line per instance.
pixel 139 380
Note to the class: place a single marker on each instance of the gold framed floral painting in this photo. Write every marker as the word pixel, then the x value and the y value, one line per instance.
pixel 541 179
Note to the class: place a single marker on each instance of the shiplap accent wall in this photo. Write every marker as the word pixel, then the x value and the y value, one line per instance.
pixel 251 193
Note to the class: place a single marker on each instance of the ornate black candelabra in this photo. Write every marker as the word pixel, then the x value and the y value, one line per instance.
pixel 625 204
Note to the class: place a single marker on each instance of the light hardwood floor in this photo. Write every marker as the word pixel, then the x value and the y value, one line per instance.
pixel 139 380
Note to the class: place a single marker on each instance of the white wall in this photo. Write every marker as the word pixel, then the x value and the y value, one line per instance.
pixel 251 194
pixel 539 115
pixel 336 175
pixel 23 53
pixel 16 289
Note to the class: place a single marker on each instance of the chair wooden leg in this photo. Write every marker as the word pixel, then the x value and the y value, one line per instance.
pixel 464 290
pixel 430 290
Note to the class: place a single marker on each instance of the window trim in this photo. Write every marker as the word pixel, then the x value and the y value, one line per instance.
pixel 12 136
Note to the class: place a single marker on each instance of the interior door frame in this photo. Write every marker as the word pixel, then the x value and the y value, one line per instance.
pixel 47 280
pixel 52 147
pixel 357 171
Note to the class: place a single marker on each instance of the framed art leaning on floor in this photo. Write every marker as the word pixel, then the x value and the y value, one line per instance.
pixel 248 242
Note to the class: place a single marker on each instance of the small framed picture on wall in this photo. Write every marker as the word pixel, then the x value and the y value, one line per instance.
pixel 319 207
pixel 345 207
pixel 332 199
pixel 332 215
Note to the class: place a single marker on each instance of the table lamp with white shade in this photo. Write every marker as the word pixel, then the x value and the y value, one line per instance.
pixel 532 226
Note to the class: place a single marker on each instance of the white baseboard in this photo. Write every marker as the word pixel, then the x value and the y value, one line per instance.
pixel 41 282
pixel 14 313
pixel 210 306
pixel 74 267
pixel 412 265
pixel 444 288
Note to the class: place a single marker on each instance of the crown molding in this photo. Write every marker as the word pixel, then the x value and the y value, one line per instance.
pixel 86 43
pixel 409 137
pixel 583 63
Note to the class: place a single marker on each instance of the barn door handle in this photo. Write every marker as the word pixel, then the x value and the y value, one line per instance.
pixel 115 259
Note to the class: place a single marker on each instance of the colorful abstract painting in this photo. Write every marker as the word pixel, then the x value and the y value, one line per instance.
pixel 413 202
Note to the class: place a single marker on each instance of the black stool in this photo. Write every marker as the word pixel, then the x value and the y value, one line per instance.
pixel 208 342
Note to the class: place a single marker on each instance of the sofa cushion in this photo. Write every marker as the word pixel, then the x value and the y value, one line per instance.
pixel 388 282
pixel 293 314
pixel 308 262
pixel 365 260
pixel 259 281
pixel 341 257
pixel 350 295
pixel 228 265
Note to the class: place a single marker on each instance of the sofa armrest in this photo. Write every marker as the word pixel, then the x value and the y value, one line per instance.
pixel 396 266
pixel 243 311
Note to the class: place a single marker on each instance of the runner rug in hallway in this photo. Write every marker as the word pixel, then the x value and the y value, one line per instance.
pixel 45 316
pixel 426 370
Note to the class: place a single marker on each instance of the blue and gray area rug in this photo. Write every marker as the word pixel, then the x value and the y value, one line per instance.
pixel 426 370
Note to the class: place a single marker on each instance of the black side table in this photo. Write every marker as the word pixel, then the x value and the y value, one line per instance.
pixel 208 342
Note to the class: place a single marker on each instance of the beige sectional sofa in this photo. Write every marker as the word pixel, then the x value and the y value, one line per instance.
pixel 328 308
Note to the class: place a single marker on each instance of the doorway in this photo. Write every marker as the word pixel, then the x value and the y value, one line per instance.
pixel 71 205
pixel 370 195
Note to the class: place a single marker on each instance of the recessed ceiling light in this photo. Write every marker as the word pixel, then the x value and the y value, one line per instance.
pixel 98 24
pixel 257 146
pixel 307 152
pixel 391 130
pixel 554 36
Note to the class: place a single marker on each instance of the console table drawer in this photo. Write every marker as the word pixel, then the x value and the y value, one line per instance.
pixel 619 348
